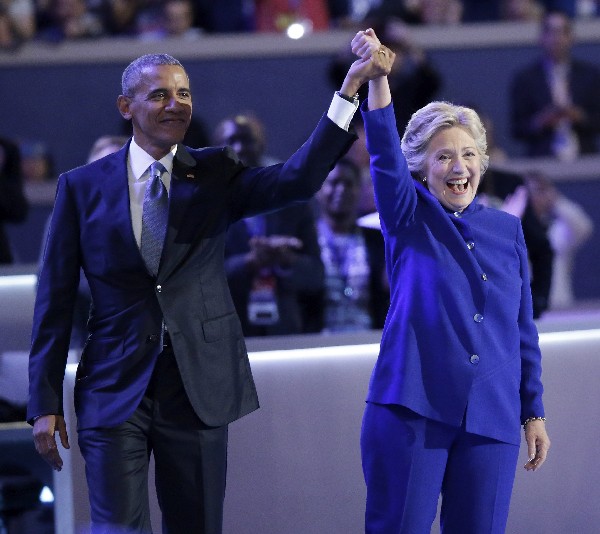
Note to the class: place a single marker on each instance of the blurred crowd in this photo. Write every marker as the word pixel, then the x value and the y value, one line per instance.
pixel 320 267
pixel 58 20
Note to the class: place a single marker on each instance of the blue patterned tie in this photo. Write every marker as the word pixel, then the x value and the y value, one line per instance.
pixel 154 218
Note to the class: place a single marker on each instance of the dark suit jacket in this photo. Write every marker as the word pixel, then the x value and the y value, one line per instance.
pixel 459 341
pixel 530 93
pixel 294 288
pixel 13 205
pixel 91 227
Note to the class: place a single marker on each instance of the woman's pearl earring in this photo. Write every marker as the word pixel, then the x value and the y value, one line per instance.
pixel 424 179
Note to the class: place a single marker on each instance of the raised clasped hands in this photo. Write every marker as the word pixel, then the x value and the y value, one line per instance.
pixel 374 61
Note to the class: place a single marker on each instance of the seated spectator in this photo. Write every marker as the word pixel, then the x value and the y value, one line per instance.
pixel 521 10
pixel 119 16
pixel 179 20
pixel 554 100
pixel 13 204
pixel 506 190
pixel 439 12
pixel 568 229
pixel 105 145
pixel 272 261
pixel 69 20
pixel 356 294
pixel 37 164
pixel 17 22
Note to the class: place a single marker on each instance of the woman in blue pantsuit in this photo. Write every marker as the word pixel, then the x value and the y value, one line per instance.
pixel 459 368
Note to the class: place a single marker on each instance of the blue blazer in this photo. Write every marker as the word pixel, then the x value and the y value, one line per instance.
pixel 459 339
pixel 91 227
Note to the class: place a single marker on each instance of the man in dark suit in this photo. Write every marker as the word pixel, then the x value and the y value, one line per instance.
pixel 555 105
pixel 13 204
pixel 356 293
pixel 165 368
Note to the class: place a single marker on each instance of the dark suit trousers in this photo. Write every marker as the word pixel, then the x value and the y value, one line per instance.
pixel 190 463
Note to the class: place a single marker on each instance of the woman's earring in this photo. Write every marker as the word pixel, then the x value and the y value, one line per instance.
pixel 424 179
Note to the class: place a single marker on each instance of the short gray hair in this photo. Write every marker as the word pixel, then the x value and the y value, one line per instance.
pixel 132 74
pixel 432 118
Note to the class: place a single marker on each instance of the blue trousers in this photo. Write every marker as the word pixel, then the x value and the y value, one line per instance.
pixel 409 460
pixel 190 463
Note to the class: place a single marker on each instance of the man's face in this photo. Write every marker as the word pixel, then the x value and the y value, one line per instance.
pixel 557 37
pixel 245 141
pixel 340 193
pixel 160 110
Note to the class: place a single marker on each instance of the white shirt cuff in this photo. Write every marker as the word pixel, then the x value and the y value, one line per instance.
pixel 341 111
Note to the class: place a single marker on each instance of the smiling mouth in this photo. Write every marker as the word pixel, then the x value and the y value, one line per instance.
pixel 457 185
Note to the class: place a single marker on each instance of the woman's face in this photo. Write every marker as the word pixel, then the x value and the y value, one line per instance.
pixel 453 168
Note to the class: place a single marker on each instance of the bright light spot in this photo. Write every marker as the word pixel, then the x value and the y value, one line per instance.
pixel 317 353
pixel 570 336
pixel 296 30
pixel 18 280
pixel 46 495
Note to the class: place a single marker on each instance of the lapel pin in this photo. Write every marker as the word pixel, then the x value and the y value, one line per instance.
pixel 189 176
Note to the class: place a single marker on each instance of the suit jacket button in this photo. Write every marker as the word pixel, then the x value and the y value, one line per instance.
pixel 484 277
pixel 477 317
pixel 474 359
pixel 470 245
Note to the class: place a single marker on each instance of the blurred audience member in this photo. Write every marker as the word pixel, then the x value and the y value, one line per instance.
pixel 439 12
pixel 69 20
pixel 568 228
pixel 17 22
pixel 521 10
pixel 119 16
pixel 496 153
pixel 272 261
pixel 279 15
pixel 245 133
pixel 37 163
pixel 105 145
pixel 359 155
pixel 506 190
pixel 348 13
pixel 179 19
pixel 356 294
pixel 555 104
pixel 13 204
